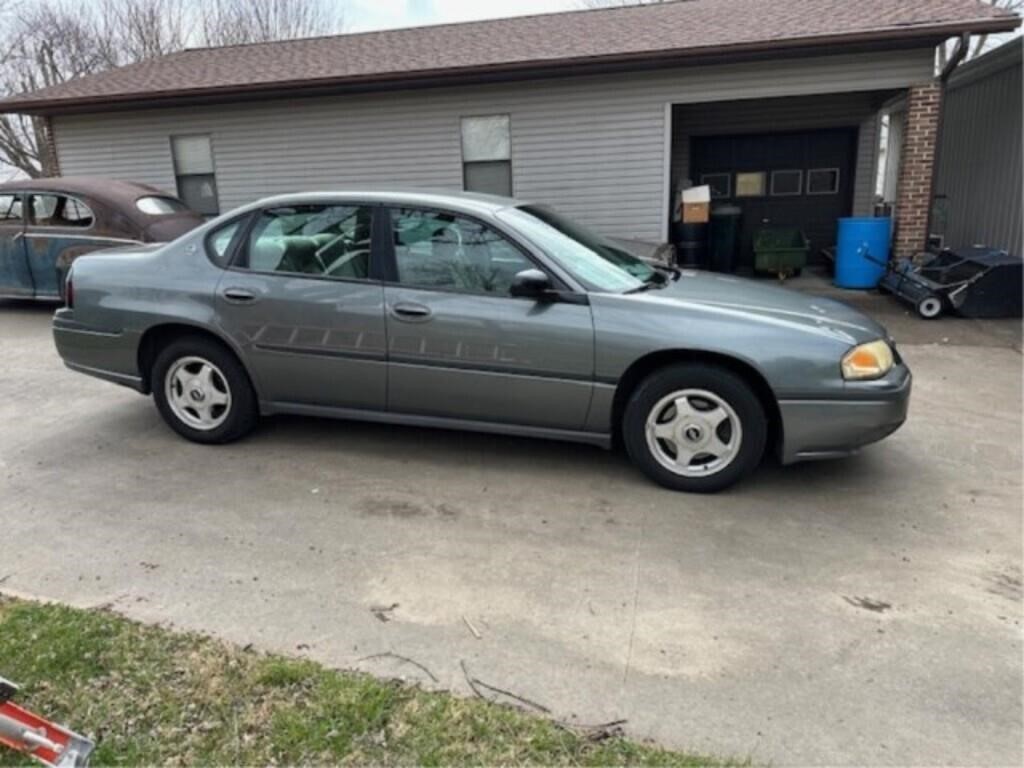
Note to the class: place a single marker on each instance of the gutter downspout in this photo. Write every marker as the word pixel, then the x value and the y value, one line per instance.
pixel 962 47
pixel 958 56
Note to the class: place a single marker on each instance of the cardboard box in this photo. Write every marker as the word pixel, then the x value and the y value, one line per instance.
pixel 696 213
pixel 696 205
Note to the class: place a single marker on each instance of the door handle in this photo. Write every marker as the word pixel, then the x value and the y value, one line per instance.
pixel 409 311
pixel 239 296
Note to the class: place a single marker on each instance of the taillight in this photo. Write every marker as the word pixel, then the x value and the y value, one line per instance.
pixel 69 293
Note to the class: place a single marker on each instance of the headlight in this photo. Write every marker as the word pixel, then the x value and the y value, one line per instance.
pixel 868 361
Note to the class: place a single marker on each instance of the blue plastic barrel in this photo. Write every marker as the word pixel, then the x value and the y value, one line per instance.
pixel 862 251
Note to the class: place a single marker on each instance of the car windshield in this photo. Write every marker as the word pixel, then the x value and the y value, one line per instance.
pixel 594 260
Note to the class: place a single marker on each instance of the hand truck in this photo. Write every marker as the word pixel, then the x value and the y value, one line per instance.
pixel 49 744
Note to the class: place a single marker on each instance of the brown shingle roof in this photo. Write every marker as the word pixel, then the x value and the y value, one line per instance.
pixel 673 31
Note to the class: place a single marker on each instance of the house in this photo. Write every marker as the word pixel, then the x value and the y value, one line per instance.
pixel 604 113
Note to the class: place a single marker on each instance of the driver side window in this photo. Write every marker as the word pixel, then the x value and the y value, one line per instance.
pixel 447 252
pixel 315 240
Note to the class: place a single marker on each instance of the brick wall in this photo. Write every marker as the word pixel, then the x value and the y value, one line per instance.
pixel 914 195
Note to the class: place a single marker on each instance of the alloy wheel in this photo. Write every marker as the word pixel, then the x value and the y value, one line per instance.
pixel 198 393
pixel 693 433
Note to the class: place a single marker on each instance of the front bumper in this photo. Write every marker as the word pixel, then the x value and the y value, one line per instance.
pixel 111 356
pixel 826 429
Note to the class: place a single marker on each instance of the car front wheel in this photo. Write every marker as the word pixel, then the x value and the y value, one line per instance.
pixel 203 392
pixel 695 427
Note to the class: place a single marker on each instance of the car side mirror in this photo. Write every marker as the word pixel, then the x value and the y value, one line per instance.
pixel 531 284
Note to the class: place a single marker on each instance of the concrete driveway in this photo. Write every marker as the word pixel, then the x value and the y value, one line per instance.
pixel 860 612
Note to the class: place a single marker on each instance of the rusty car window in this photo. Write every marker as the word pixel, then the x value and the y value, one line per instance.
pixel 160 206
pixel 58 211
pixel 10 208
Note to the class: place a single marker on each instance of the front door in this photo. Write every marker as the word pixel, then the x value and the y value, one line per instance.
pixel 460 346
pixel 303 305
pixel 15 277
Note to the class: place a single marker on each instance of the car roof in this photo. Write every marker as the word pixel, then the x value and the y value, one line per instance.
pixel 114 192
pixel 470 202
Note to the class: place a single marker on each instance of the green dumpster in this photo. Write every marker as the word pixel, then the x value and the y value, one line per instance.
pixel 780 251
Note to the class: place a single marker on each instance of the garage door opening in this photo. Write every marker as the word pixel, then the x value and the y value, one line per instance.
pixel 790 163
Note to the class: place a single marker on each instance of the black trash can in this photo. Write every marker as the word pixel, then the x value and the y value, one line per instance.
pixel 725 237
pixel 691 242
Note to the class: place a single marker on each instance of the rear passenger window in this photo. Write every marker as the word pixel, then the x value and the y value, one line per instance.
pixel 316 240
pixel 58 211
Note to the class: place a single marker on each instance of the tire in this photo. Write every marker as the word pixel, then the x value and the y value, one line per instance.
pixel 203 392
pixel 724 428
pixel 930 307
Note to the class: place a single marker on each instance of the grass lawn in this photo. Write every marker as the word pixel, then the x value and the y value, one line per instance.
pixel 151 696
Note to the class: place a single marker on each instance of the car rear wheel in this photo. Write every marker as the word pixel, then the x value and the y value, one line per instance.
pixel 695 427
pixel 203 392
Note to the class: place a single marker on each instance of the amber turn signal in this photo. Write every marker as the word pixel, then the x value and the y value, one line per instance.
pixel 868 361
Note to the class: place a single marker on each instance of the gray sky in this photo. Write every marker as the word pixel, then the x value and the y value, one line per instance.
pixel 363 15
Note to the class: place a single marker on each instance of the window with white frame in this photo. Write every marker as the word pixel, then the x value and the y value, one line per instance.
pixel 751 184
pixel 787 183
pixel 195 174
pixel 487 154
pixel 823 181
pixel 719 183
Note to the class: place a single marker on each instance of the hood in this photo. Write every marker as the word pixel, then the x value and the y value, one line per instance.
pixel 762 301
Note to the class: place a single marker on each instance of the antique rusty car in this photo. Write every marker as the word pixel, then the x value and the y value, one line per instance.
pixel 45 224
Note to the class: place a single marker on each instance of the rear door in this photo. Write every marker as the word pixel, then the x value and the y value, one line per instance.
pixel 460 346
pixel 15 277
pixel 59 229
pixel 303 303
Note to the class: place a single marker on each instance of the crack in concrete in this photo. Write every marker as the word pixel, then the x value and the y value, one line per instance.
pixel 636 597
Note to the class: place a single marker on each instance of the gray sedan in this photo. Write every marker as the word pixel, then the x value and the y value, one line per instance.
pixel 478 313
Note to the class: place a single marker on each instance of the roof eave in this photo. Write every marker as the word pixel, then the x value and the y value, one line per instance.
pixel 894 38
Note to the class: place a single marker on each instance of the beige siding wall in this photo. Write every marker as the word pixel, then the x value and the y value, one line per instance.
pixel 594 146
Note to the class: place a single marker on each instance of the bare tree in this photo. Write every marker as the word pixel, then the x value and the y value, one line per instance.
pixel 233 22
pixel 134 30
pixel 980 43
pixel 46 46
pixel 48 42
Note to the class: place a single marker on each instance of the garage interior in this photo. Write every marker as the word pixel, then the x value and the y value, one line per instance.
pixel 794 163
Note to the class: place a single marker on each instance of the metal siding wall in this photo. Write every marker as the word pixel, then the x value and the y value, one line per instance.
pixel 980 161
pixel 594 146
